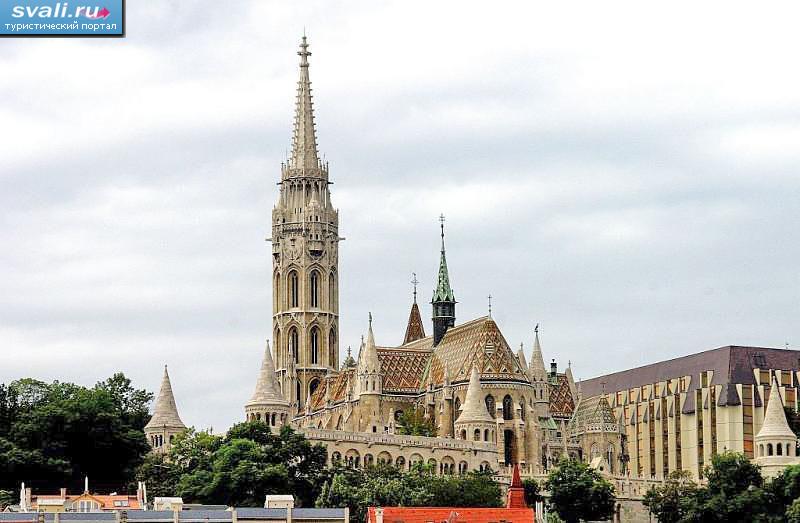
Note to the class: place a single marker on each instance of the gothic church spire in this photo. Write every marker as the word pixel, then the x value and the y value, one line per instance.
pixel 304 138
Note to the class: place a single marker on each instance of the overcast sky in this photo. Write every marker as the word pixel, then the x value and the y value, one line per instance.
pixel 624 175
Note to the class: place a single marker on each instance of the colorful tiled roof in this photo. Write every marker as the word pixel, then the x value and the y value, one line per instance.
pixel 562 404
pixel 415 329
pixel 403 368
pixel 476 343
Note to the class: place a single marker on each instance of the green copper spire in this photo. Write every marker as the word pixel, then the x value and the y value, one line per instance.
pixel 443 291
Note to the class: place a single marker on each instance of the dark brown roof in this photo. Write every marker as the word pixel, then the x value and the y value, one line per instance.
pixel 731 365
pixel 414 330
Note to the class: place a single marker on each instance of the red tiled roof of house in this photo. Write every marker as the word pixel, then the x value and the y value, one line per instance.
pixel 451 515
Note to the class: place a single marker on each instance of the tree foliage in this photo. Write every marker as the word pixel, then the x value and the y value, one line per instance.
pixel 672 501
pixel 579 492
pixel 54 434
pixel 735 491
pixel 239 468
pixel 532 491
pixel 414 423
pixel 385 485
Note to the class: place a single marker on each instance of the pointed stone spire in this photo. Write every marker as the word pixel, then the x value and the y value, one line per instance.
pixel 537 369
pixel 414 329
pixel 474 409
pixel 349 361
pixel 775 423
pixel 267 390
pixel 521 357
pixel 369 361
pixel 165 411
pixel 304 139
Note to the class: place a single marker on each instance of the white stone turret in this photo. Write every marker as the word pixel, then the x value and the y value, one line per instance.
pixel 369 385
pixel 776 443
pixel 522 361
pixel 538 376
pixel 166 423
pixel 474 422
pixel 370 379
pixel 267 403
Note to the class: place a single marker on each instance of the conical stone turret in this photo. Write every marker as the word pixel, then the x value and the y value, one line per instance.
pixel 267 403
pixel 776 443
pixel 165 423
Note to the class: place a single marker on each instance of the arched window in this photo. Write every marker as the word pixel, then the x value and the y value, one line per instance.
pixel 332 291
pixel 400 463
pixel 508 408
pixel 314 345
pixel 779 448
pixel 477 436
pixel 314 287
pixel 522 409
pixel 276 343
pixel 489 400
pixel 457 406
pixel 769 449
pixel 294 290
pixel 299 395
pixel 486 435
pixel 312 387
pixel 276 292
pixel 294 344
pixel 332 348
pixel 610 458
pixel 463 434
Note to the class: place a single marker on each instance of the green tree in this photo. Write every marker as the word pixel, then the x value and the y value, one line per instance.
pixel 384 485
pixel 672 501
pixel 579 492
pixel 52 435
pixel 413 422
pixel 793 512
pixel 532 491
pixel 241 467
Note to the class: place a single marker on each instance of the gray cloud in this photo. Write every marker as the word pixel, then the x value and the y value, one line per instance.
pixel 626 178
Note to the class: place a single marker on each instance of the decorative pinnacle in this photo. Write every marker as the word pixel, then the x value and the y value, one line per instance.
pixel 414 282
pixel 304 53
pixel 370 319
pixel 490 305
pixel 536 329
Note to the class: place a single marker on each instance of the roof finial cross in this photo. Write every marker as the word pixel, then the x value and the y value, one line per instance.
pixel 536 329
pixel 490 305
pixel 370 319
pixel 414 282
pixel 441 224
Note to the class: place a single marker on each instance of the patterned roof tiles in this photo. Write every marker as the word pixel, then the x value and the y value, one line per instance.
pixel 562 404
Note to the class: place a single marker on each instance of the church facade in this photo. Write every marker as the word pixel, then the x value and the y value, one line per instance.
pixel 490 406
pixel 483 399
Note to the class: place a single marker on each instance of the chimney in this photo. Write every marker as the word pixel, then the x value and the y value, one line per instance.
pixel 63 493
pixel 378 514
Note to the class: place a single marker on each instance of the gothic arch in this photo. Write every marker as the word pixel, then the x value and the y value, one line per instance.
pixel 490 405
pixel 293 344
pixel 508 408
pixel 314 288
pixel 276 291
pixel 293 289
pixel 332 290
pixel 276 343
pixel 313 335
pixel 332 347
pixel 312 386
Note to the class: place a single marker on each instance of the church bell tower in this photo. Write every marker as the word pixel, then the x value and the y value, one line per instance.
pixel 305 257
